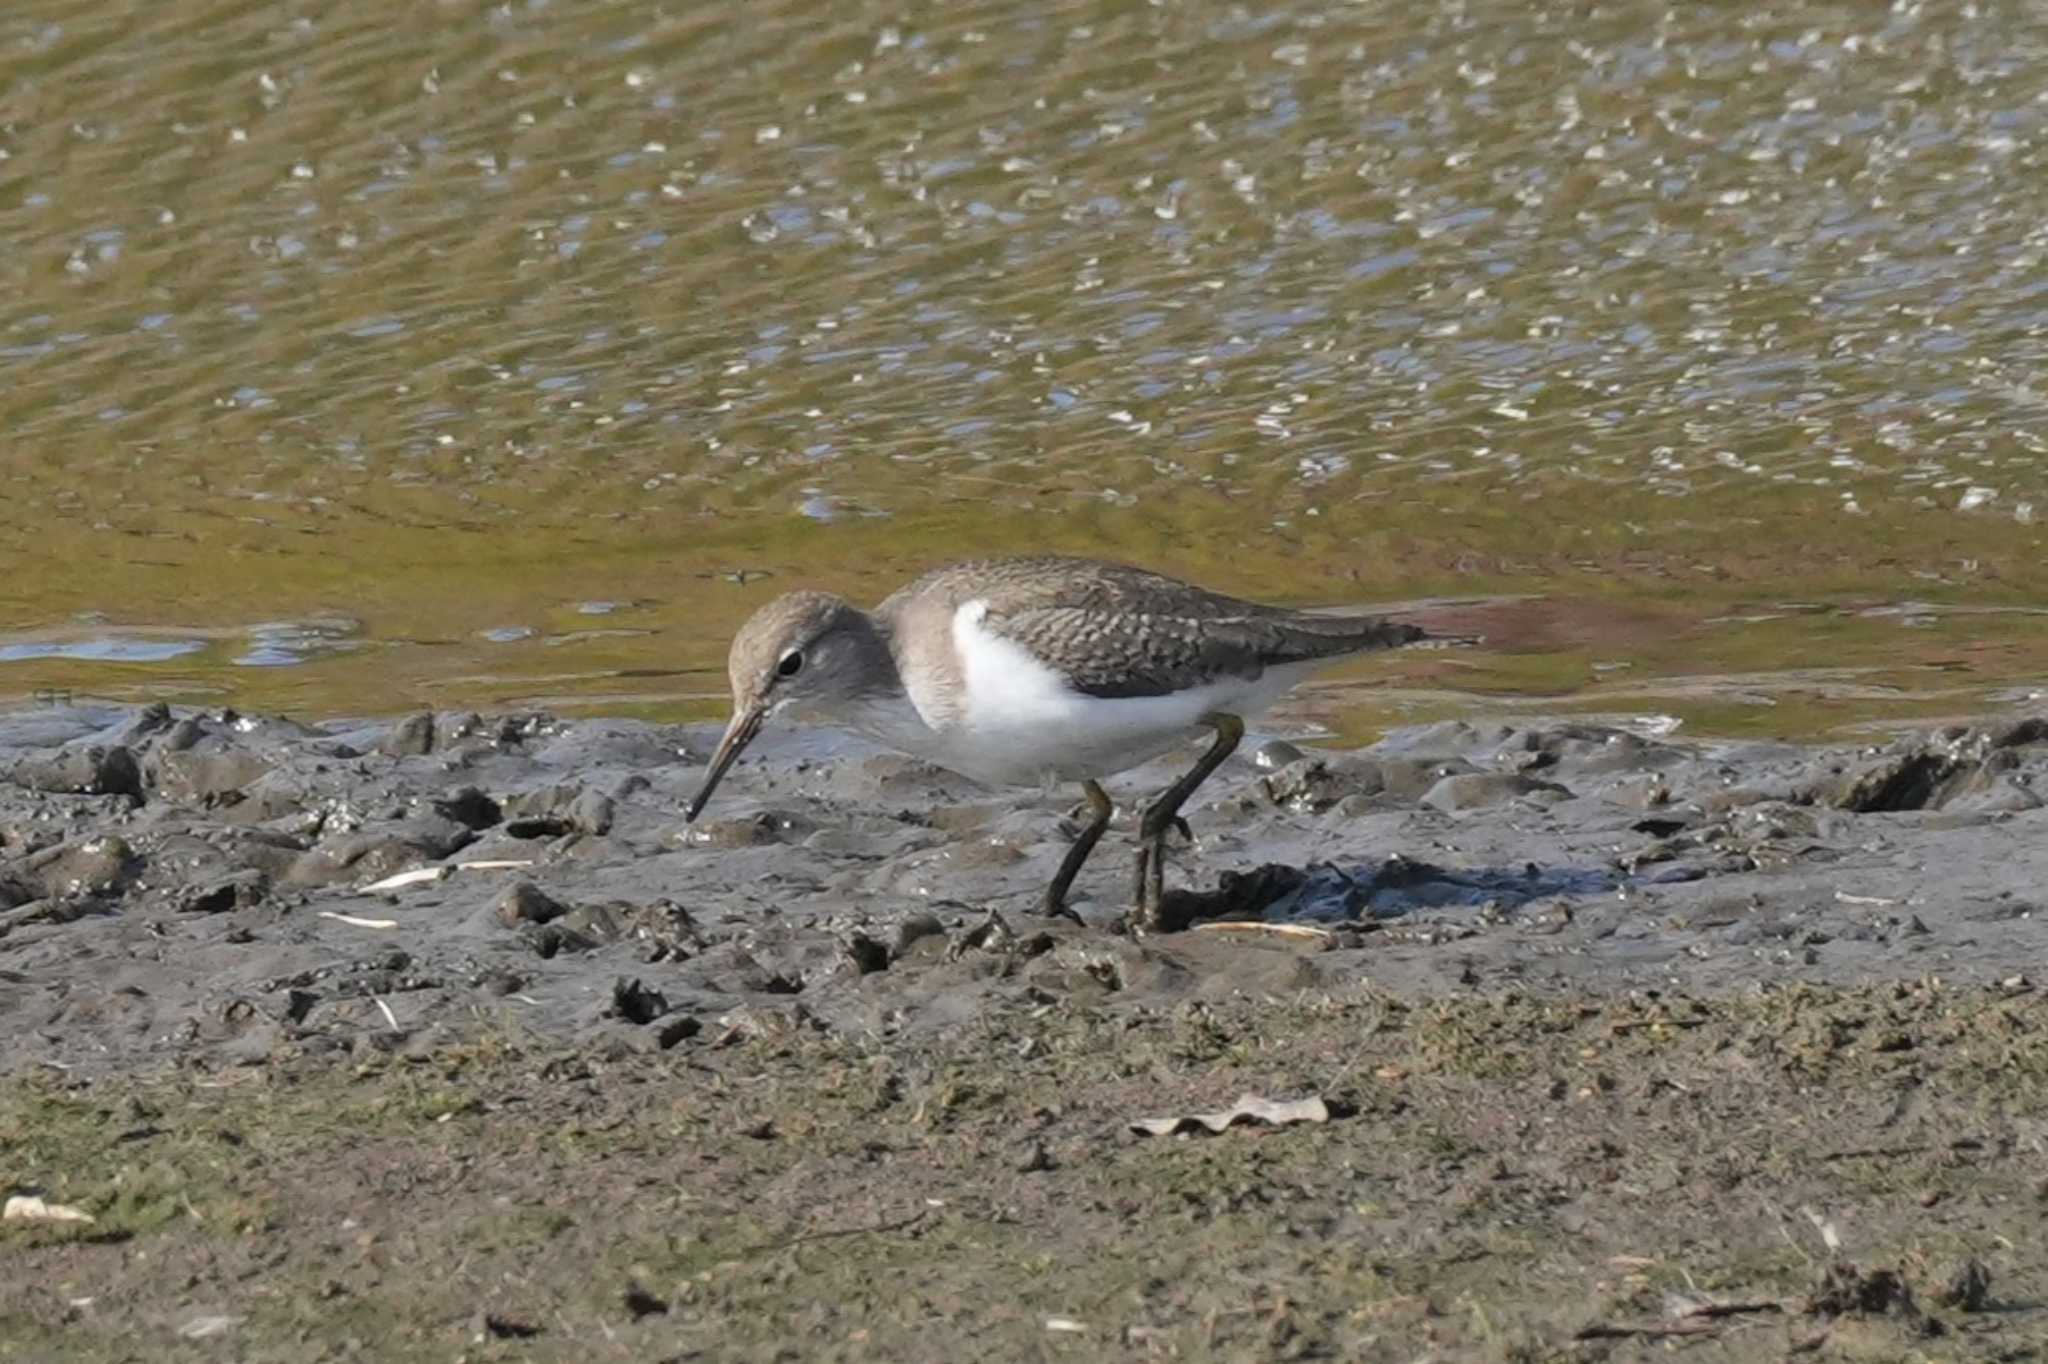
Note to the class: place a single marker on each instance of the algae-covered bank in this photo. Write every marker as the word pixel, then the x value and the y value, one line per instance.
pixel 446 1038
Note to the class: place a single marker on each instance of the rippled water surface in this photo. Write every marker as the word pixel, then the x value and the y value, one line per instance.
pixel 354 357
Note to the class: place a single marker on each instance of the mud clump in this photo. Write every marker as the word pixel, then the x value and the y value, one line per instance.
pixel 526 903
pixel 237 890
pixel 1967 769
pixel 1480 790
pixel 1313 785
pixel 1237 896
pixel 95 867
pixel 659 932
pixel 471 808
pixel 865 954
pixel 1845 1291
pixel 207 770
pixel 86 770
pixel 412 737
pixel 557 810
pixel 372 854
pixel 636 1003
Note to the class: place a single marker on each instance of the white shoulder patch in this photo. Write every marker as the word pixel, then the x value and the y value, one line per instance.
pixel 1006 686
pixel 1020 721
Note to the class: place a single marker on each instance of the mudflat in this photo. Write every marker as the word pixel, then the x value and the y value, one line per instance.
pixel 446 1038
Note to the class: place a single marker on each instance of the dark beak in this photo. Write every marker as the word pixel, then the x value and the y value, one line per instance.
pixel 745 725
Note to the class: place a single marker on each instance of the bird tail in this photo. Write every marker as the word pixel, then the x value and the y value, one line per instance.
pixel 1351 632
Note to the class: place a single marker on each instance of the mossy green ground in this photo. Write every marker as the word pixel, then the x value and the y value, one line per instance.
pixel 1502 1173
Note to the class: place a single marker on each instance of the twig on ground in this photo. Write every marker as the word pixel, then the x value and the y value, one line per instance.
pixel 834 1233
pixel 358 920
pixel 1260 926
pixel 1601 1330
pixel 1707 1308
pixel 1876 1153
pixel 414 877
pixel 1686 1317
pixel 32 912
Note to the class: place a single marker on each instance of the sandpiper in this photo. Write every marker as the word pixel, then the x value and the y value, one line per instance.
pixel 1019 672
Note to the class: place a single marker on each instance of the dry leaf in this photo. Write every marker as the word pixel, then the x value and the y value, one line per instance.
pixel 202 1328
pixel 29 1208
pixel 1830 1237
pixel 357 920
pixel 1311 1109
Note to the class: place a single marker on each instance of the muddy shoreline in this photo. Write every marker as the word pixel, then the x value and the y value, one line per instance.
pixel 1592 1041
pixel 203 888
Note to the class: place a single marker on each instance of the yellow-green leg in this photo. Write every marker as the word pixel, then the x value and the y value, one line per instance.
pixel 1164 814
pixel 1070 866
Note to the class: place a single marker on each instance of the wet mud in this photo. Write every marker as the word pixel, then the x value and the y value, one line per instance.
pixel 205 887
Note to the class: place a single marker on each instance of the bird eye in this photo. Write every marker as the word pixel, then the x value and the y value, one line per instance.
pixel 792 663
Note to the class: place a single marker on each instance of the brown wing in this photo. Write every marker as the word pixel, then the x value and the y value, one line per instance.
pixel 1118 631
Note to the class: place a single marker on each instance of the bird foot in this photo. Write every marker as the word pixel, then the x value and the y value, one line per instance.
pixel 1153 827
pixel 1150 892
pixel 1059 909
pixel 993 933
pixel 1174 912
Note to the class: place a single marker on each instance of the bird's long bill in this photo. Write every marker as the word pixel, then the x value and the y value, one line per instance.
pixel 738 734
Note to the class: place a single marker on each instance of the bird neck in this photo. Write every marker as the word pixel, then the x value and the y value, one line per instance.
pixel 886 708
pixel 872 643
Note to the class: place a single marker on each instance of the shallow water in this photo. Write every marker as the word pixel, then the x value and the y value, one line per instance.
pixel 350 358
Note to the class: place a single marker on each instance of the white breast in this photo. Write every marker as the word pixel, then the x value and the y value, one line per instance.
pixel 1021 723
